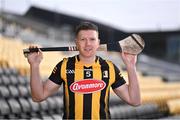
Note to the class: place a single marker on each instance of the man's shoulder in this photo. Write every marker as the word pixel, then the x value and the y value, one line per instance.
pixel 70 58
pixel 103 60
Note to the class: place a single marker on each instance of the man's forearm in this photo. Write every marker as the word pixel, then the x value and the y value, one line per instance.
pixel 36 84
pixel 134 90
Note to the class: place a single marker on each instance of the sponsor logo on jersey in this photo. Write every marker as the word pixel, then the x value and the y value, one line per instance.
pixel 87 86
pixel 69 71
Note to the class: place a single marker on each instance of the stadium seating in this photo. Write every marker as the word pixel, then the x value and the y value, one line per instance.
pixel 174 106
pixel 15 96
pixel 145 111
pixel 17 103
pixel 12 57
pixel 155 94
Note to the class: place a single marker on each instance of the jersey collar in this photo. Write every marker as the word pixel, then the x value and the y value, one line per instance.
pixel 95 62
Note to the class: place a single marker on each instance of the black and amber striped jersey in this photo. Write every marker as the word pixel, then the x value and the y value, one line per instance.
pixel 86 87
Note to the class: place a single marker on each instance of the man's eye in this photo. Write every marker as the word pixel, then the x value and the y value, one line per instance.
pixel 82 39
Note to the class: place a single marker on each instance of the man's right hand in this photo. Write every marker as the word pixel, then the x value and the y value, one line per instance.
pixel 35 58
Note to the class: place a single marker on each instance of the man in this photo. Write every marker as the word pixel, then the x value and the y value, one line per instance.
pixel 86 78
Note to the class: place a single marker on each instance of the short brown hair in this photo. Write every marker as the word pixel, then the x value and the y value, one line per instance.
pixel 85 26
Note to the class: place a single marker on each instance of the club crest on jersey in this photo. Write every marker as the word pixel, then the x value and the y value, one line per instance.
pixel 87 86
pixel 105 74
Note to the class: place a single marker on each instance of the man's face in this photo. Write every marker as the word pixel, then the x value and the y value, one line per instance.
pixel 87 42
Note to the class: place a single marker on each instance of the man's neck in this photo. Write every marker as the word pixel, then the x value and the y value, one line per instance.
pixel 87 60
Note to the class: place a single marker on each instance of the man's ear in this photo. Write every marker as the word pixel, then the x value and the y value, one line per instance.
pixel 76 42
pixel 99 41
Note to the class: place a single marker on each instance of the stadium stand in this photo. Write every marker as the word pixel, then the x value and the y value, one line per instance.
pixel 14 84
pixel 156 67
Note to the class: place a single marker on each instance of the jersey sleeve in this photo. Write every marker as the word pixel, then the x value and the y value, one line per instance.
pixel 55 75
pixel 119 80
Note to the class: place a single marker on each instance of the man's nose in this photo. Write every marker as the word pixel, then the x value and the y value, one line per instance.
pixel 88 42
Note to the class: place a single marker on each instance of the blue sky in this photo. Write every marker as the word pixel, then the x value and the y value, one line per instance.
pixel 127 15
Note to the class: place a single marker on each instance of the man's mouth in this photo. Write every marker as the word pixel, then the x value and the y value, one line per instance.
pixel 87 49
